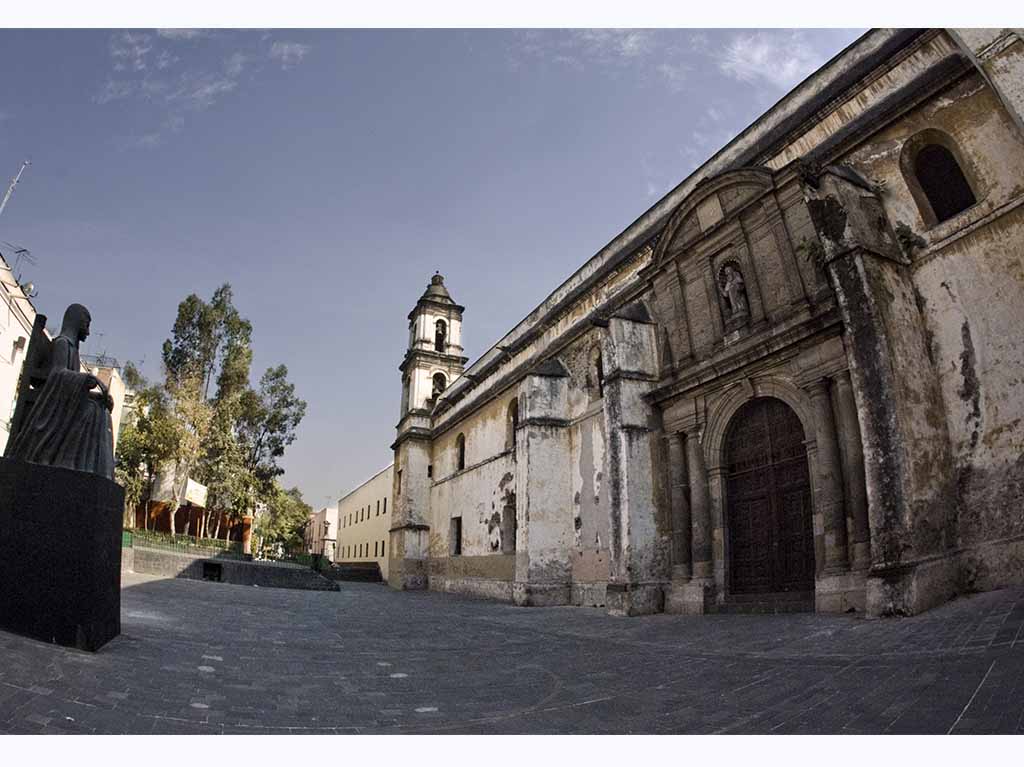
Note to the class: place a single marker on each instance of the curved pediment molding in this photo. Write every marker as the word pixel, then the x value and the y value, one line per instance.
pixel 712 201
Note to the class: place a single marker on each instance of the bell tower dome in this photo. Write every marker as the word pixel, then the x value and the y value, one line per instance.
pixel 434 357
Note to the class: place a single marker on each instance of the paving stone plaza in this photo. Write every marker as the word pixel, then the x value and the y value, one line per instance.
pixel 196 657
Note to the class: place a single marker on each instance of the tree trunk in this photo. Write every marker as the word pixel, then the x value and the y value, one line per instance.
pixel 216 530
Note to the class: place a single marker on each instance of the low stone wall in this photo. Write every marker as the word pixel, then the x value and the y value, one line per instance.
pixel 277 575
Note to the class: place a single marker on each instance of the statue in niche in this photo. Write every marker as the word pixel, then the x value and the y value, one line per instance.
pixel 730 282
pixel 69 422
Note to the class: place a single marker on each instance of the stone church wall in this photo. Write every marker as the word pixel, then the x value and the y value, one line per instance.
pixel 968 275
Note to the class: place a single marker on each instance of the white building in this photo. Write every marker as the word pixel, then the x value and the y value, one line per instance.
pixel 365 518
pixel 321 532
pixel 16 319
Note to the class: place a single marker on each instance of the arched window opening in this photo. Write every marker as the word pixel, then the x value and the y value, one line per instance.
pixel 440 335
pixel 512 425
pixel 440 384
pixel 460 449
pixel 942 181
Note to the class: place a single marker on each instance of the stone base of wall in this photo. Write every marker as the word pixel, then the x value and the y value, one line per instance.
pixel 992 565
pixel 541 594
pixel 238 572
pixel 407 575
pixel 841 593
pixel 476 587
pixel 912 588
pixel 127 559
pixel 694 597
pixel 628 599
pixel 589 594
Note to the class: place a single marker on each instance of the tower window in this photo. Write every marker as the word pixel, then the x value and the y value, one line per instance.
pixel 440 384
pixel 460 449
pixel 599 374
pixel 440 335
pixel 942 181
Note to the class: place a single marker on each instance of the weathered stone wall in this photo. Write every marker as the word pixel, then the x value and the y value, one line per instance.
pixel 968 276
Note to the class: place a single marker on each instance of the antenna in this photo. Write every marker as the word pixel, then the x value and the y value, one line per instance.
pixel 14 183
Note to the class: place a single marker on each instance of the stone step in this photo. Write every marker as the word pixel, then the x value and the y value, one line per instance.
pixel 786 602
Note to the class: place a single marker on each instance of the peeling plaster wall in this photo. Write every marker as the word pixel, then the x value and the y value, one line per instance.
pixel 968 275
pixel 480 494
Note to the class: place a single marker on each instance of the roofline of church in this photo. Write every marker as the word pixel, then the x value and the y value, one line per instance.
pixel 784 118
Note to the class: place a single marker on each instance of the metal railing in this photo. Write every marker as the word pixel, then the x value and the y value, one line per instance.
pixel 183 544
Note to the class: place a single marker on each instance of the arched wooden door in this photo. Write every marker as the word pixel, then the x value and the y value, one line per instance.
pixel 768 495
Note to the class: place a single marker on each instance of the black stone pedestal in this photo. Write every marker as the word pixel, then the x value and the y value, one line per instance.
pixel 60 554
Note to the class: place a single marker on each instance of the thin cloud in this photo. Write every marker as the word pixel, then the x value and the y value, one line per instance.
pixel 183 34
pixel 182 72
pixel 130 50
pixel 289 54
pixel 780 58
pixel 112 90
pixel 657 53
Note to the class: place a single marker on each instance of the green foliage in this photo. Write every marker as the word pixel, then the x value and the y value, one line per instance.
pixel 281 522
pixel 267 422
pixel 147 441
pixel 229 440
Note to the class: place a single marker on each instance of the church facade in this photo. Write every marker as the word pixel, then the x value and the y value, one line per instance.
pixel 794 383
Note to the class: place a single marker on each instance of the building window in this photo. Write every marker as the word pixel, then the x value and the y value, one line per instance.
pixel 385 505
pixel 456 536
pixel 512 425
pixel 942 181
pixel 460 450
pixel 398 484
pixel 430 470
pixel 440 335
pixel 939 179
pixel 440 383
pixel 378 507
pixel 599 373
pixel 382 549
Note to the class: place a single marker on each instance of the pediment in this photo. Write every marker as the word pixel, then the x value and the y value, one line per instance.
pixel 710 203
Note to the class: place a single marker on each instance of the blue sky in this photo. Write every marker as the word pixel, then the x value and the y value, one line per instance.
pixel 327 174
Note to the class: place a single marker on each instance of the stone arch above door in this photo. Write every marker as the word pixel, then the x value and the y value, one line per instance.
pixel 741 393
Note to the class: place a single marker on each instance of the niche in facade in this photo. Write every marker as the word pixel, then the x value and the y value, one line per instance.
pixel 732 291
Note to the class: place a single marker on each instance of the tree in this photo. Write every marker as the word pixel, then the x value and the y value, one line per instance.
pixel 279 526
pixel 267 424
pixel 148 440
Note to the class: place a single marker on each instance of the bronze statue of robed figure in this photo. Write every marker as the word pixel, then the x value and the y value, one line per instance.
pixel 62 415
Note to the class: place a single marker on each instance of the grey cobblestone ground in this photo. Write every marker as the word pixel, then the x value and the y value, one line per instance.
pixel 199 657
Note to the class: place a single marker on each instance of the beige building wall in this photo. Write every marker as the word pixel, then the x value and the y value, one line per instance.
pixel 364 518
pixel 16 318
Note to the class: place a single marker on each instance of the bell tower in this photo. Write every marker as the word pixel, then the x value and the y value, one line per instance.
pixel 433 359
